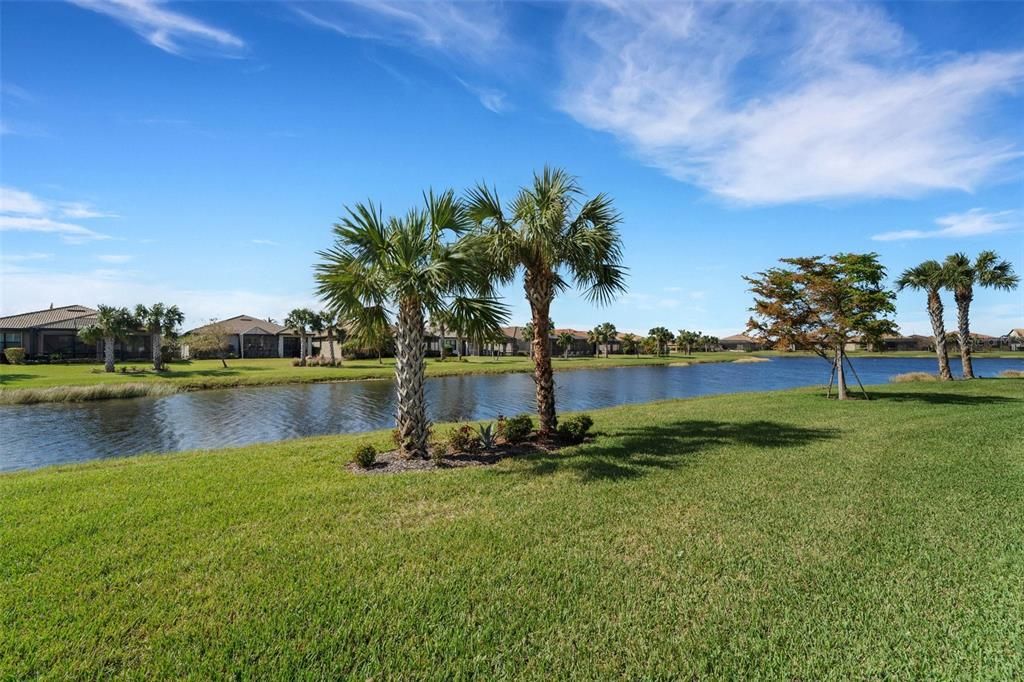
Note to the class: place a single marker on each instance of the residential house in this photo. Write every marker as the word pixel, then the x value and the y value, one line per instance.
pixel 251 337
pixel 740 342
pixel 53 334
pixel 893 342
pixel 1014 339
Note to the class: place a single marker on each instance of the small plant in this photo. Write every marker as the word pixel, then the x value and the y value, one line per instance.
pixel 365 456
pixel 462 439
pixel 574 429
pixel 296 362
pixel 486 435
pixel 515 429
pixel 15 356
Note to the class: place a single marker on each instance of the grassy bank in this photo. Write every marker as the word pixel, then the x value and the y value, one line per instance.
pixel 764 535
pixel 71 383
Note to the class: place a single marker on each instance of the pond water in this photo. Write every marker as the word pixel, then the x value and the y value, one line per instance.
pixel 40 435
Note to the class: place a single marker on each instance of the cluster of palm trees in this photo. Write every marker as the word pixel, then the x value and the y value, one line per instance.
pixel 689 340
pixel 445 259
pixel 115 324
pixel 957 274
pixel 603 336
pixel 308 324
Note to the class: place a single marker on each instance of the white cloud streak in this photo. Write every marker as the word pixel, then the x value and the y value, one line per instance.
pixel 69 232
pixel 17 201
pixel 971 223
pixel 24 212
pixel 170 31
pixel 115 258
pixel 788 103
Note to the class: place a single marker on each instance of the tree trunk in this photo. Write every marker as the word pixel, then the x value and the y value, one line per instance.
pixel 963 329
pixel 108 354
pixel 540 291
pixel 154 340
pixel 939 330
pixel 840 373
pixel 302 350
pixel 409 380
pixel 330 343
pixel 441 346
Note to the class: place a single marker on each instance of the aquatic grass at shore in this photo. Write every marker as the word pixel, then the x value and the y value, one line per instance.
pixel 79 394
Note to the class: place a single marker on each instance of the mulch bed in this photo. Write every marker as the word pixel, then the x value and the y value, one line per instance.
pixel 393 463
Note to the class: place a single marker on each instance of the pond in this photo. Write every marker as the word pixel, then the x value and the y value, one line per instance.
pixel 40 435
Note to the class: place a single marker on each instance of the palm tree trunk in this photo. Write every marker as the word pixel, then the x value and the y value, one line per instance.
pixel 330 343
pixel 108 354
pixel 154 340
pixel 963 329
pixel 540 291
pixel 939 330
pixel 409 380
pixel 441 347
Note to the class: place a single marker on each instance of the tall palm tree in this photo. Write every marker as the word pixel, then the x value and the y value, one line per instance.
pixel 551 234
pixel 159 320
pixel 605 334
pixel 961 276
pixel 565 340
pixel 631 344
pixel 112 325
pixel 527 333
pixel 316 328
pixel 930 277
pixel 688 339
pixel 662 337
pixel 329 318
pixel 301 320
pixel 406 268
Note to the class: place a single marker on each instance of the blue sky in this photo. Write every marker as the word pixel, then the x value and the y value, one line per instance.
pixel 198 153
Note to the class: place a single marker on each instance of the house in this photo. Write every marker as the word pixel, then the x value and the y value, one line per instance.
pixel 53 334
pixel 1014 339
pixel 251 337
pixel 740 342
pixel 581 345
pixel 893 342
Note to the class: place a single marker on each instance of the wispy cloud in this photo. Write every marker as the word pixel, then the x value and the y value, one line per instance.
pixel 115 258
pixel 25 257
pixel 796 102
pixel 22 211
pixel 956 225
pixel 473 30
pixel 265 242
pixel 491 98
pixel 69 232
pixel 171 31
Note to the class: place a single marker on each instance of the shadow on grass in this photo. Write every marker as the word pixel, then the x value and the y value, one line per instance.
pixel 11 378
pixel 943 398
pixel 632 452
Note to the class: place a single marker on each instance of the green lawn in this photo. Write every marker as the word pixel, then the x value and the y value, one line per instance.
pixel 200 374
pixel 773 536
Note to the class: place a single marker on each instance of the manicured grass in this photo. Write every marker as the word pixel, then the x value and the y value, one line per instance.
pixel 776 536
pixel 205 374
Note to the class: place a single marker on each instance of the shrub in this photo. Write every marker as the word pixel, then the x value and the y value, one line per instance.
pixel 486 435
pixel 574 429
pixel 1012 374
pixel 913 376
pixel 365 456
pixel 516 429
pixel 15 356
pixel 296 362
pixel 462 439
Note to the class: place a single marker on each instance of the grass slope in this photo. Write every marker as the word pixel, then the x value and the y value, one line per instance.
pixel 763 535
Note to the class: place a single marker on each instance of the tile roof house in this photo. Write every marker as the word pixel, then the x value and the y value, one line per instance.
pixel 251 337
pixel 1015 338
pixel 53 333
pixel 740 342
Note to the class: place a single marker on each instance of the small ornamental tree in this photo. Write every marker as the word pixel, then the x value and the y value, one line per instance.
pixel 820 304
pixel 214 340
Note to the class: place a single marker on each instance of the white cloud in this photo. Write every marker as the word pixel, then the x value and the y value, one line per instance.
pixel 473 30
pixel 24 257
pixel 968 224
pixel 82 210
pixel 491 98
pixel 264 242
pixel 115 257
pixel 166 29
pixel 789 103
pixel 69 232
pixel 20 202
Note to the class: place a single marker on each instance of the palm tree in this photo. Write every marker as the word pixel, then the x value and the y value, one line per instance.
pixel 552 235
pixel 631 344
pixel 605 334
pixel 688 339
pixel 526 333
pixel 301 320
pixel 316 329
pixel 986 271
pixel 930 276
pixel 565 340
pixel 329 318
pixel 112 325
pixel 662 337
pixel 159 320
pixel 423 263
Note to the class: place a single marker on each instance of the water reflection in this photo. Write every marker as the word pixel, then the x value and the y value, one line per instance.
pixel 37 435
